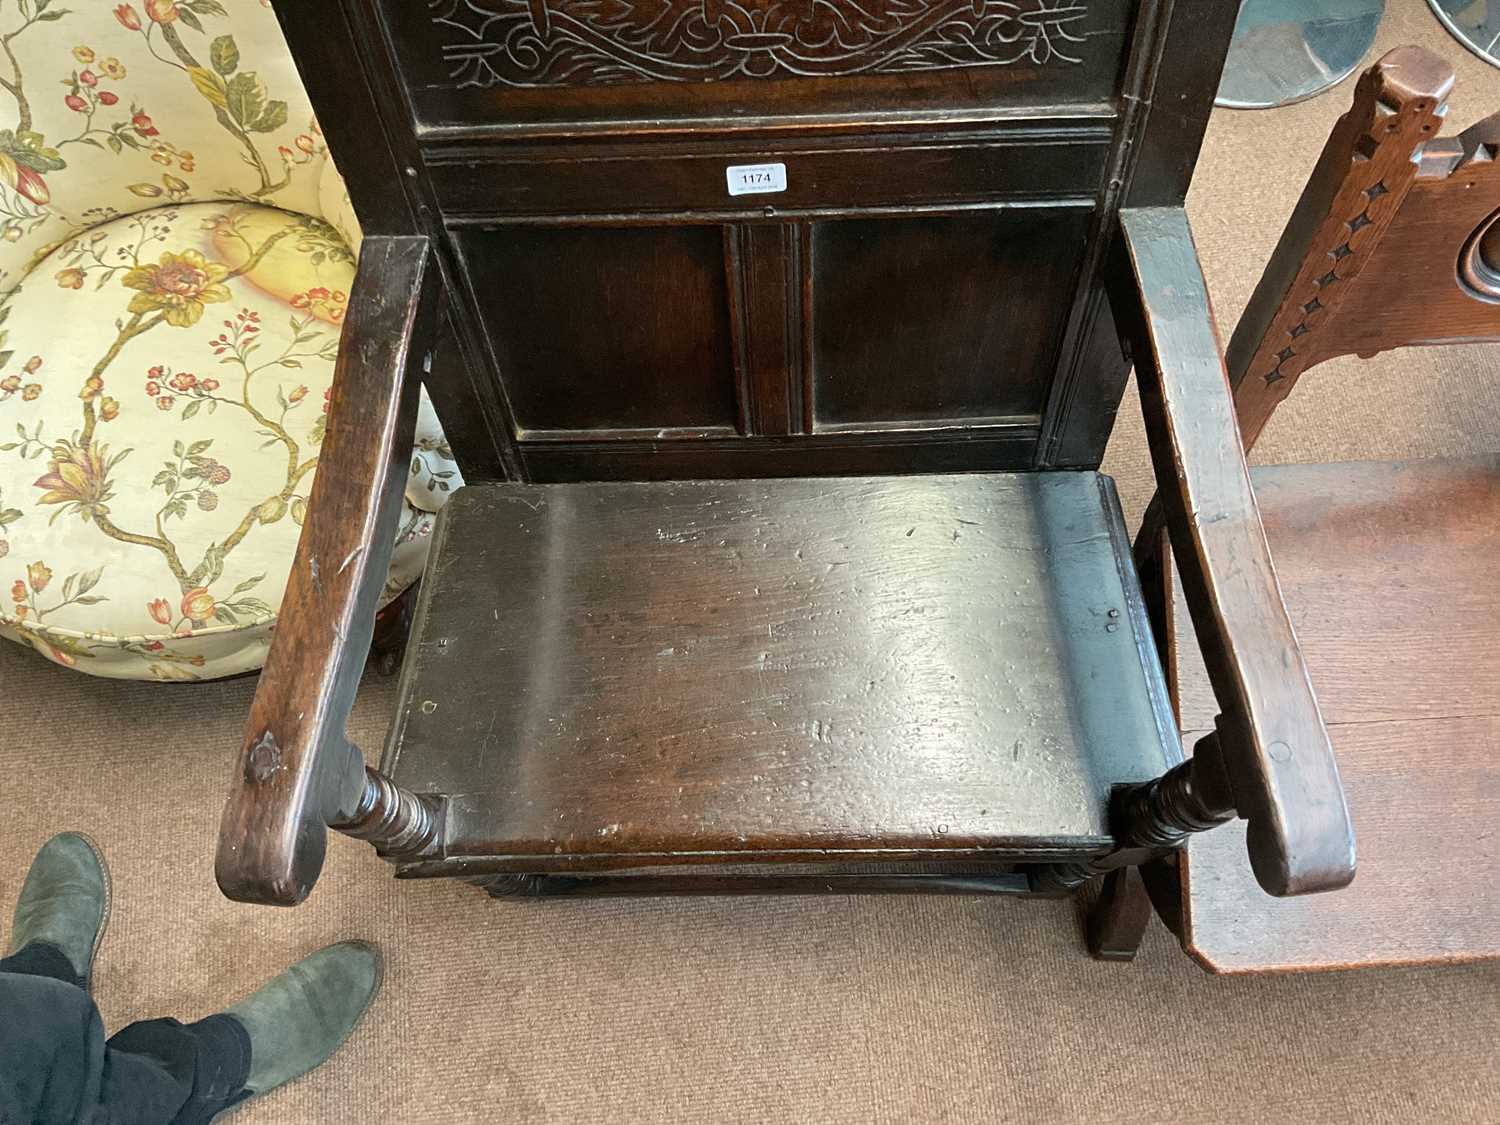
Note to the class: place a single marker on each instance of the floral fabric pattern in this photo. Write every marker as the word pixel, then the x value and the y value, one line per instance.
pixel 158 455
pixel 176 254
pixel 108 110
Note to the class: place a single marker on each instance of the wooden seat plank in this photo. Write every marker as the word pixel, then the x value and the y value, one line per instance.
pixel 612 675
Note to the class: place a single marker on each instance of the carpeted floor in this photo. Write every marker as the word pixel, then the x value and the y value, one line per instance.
pixel 792 1010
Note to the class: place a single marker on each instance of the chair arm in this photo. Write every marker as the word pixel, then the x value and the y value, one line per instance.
pixel 1275 749
pixel 297 771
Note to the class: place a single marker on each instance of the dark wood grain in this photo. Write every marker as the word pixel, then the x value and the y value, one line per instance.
pixel 969 301
pixel 1281 768
pixel 608 328
pixel 340 58
pixel 634 455
pixel 769 274
pixel 776 880
pixel 1184 59
pixel 1167 86
pixel 458 388
pixel 297 771
pixel 705 671
pixel 575 180
pixel 1117 920
pixel 324 41
pixel 1378 562
pixel 1389 575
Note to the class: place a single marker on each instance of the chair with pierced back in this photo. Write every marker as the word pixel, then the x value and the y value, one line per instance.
pixel 783 357
pixel 1387 568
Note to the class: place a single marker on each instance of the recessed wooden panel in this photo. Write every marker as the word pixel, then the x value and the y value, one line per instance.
pixel 475 64
pixel 608 328
pixel 953 318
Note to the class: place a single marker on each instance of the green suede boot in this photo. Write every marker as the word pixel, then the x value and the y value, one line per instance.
pixel 298 1019
pixel 65 901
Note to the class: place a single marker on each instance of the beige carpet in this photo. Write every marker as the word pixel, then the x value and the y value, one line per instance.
pixel 791 1010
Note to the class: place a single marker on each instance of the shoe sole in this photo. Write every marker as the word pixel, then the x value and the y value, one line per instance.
pixel 109 898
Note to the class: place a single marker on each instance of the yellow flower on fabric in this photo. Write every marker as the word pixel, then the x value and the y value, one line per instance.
pixel 30 391
pixel 70 278
pixel 91 388
pixel 162 11
pixel 113 67
pixel 179 285
pixel 39 574
pixel 83 54
pixel 77 474
pixel 109 409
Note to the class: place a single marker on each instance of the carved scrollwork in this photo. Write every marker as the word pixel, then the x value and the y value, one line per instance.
pixel 610 42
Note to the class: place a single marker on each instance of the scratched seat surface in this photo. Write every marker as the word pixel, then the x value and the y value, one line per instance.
pixel 610 675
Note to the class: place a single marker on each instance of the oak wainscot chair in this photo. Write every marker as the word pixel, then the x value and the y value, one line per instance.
pixel 784 357
pixel 1388 568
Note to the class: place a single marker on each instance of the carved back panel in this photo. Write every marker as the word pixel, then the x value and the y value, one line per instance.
pixel 707 238
pixel 1395 241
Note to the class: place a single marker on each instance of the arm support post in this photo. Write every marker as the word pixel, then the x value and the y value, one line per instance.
pixel 1277 760
pixel 297 772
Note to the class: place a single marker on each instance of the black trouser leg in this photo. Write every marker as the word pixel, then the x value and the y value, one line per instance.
pixel 56 1068
pixel 41 959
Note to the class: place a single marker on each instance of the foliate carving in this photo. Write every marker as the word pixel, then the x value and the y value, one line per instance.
pixel 609 42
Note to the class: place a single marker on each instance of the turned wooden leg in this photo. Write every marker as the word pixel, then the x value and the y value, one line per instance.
pixel 401 824
pixel 392 627
pixel 1117 920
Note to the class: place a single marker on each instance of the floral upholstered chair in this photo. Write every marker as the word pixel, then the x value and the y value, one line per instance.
pixel 176 250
